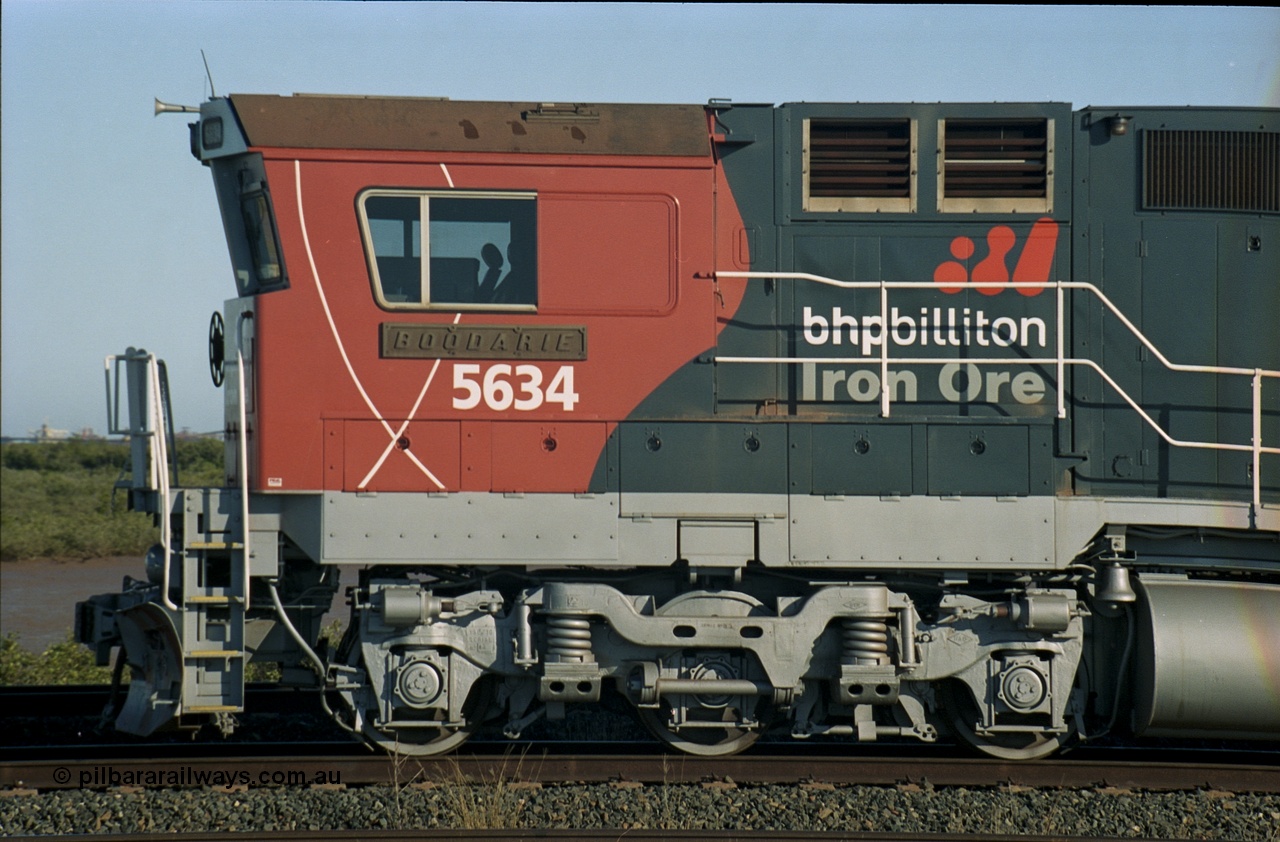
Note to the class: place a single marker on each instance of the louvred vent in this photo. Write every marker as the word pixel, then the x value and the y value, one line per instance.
pixel 860 158
pixel 996 159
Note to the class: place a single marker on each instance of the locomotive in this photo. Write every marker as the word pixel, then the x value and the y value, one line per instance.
pixel 856 421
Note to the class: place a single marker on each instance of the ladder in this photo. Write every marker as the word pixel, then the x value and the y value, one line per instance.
pixel 204 588
pixel 214 598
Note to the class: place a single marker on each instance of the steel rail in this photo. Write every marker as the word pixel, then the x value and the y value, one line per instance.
pixel 650 769
pixel 600 835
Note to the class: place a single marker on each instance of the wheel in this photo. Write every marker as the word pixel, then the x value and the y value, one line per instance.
pixel 962 712
pixel 704 742
pixel 416 742
pixel 717 732
pixel 433 740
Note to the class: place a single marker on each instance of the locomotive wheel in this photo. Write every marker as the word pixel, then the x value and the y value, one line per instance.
pixel 704 742
pixel 426 742
pixel 442 741
pixel 963 713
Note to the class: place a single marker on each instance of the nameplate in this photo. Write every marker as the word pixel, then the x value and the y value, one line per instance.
pixel 483 342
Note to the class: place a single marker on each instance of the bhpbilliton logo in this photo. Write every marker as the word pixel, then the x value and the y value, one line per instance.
pixel 1035 261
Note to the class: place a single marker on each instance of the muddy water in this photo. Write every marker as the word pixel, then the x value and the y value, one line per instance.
pixel 38 598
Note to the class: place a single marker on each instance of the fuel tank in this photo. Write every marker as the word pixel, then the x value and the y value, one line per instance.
pixel 1207 658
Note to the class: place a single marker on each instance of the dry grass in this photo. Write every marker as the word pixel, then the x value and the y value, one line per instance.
pixel 494 802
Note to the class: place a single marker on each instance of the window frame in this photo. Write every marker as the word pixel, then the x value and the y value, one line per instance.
pixel 424 196
pixel 258 217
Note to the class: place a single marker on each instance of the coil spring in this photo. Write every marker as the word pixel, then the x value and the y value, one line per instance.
pixel 866 642
pixel 569 639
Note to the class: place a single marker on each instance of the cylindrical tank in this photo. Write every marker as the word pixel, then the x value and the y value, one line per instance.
pixel 1208 658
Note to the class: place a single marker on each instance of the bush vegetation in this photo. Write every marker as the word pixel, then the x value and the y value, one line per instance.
pixel 57 500
pixel 68 662
pixel 65 662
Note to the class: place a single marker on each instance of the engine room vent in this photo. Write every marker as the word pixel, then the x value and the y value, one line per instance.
pixel 1211 170
pixel 859 165
pixel 995 166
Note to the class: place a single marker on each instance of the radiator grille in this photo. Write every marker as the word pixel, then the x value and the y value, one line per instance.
pixel 996 159
pixel 1211 170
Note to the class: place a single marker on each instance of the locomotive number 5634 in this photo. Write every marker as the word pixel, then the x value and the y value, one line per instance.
pixel 501 387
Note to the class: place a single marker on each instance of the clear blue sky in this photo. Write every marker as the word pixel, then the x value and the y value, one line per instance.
pixel 111 235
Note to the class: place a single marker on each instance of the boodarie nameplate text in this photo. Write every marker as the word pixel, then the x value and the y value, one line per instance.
pixel 483 342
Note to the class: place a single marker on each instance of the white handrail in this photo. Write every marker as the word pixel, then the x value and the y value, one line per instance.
pixel 1060 360
pixel 160 471
pixel 152 424
pixel 244 450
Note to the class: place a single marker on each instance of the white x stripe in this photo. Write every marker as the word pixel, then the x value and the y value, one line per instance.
pixel 333 328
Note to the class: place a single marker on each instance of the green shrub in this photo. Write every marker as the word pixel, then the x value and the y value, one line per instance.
pixel 58 499
pixel 200 462
pixel 65 662
pixel 72 454
pixel 262 672
pixel 69 662
pixel 68 514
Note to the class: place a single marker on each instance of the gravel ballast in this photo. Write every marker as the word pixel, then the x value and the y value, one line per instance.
pixel 908 808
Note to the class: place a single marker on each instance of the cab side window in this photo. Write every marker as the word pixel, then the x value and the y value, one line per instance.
pixel 476 250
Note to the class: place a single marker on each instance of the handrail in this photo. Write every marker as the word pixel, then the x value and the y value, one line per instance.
pixel 151 423
pixel 244 449
pixel 1060 360
pixel 160 466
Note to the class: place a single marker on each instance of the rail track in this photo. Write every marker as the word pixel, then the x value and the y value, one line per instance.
pixel 633 791
pixel 551 765
pixel 613 835
pixel 87 760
